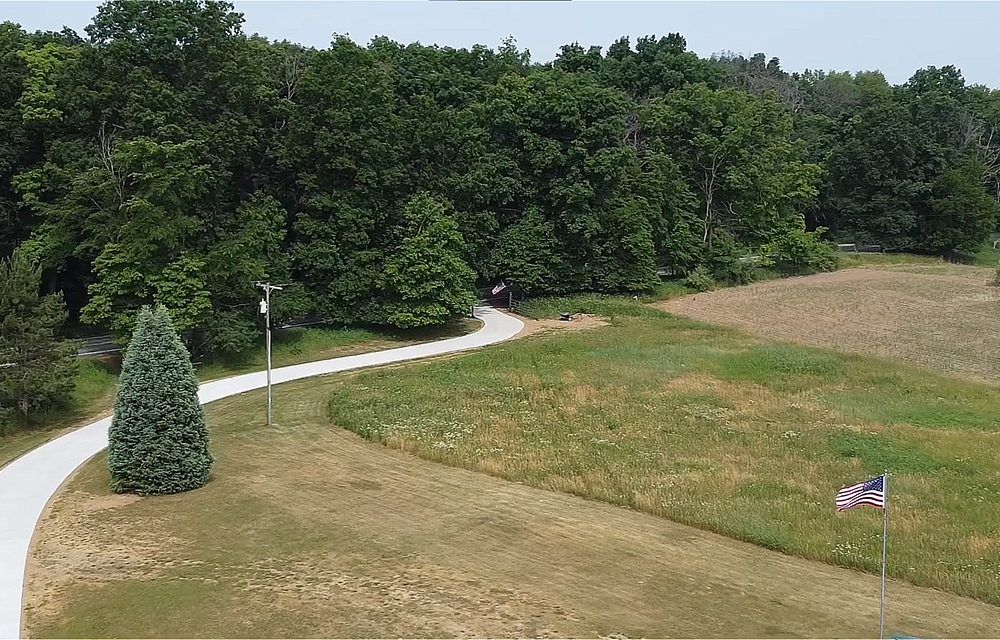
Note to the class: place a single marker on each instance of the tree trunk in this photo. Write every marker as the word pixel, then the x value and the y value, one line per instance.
pixel 708 190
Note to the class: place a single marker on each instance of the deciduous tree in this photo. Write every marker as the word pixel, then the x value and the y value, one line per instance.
pixel 426 280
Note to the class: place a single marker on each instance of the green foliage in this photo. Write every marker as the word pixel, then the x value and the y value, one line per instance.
pixel 676 227
pixel 801 251
pixel 230 333
pixel 736 150
pixel 158 441
pixel 562 139
pixel 527 253
pixel 44 365
pixel 38 101
pixel 700 279
pixel 426 281
pixel 146 262
pixel 169 158
pixel 729 262
pixel 961 215
pixel 907 168
pixel 625 259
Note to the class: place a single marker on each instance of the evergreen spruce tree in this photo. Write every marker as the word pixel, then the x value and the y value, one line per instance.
pixel 158 441
pixel 40 365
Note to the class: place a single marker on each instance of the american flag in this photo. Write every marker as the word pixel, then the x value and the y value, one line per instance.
pixel 870 492
pixel 500 287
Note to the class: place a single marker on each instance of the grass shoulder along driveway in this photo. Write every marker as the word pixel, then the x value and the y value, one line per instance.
pixel 94 392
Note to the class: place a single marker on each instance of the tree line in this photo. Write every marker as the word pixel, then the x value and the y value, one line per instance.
pixel 166 157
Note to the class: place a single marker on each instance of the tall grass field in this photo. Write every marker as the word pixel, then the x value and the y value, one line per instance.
pixel 710 427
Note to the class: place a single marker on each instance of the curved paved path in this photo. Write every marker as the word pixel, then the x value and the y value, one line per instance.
pixel 28 483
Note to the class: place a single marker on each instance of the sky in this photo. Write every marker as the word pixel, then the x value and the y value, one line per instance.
pixel 894 37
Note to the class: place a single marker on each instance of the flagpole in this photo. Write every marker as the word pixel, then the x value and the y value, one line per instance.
pixel 885 538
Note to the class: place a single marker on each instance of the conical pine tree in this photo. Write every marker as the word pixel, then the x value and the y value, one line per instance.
pixel 158 441
pixel 44 366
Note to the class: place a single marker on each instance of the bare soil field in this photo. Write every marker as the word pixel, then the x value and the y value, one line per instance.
pixel 946 318
pixel 308 530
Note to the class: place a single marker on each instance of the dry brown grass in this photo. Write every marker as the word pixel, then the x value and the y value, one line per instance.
pixel 579 321
pixel 307 530
pixel 709 427
pixel 944 317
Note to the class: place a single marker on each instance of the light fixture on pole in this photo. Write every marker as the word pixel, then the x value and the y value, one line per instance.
pixel 265 310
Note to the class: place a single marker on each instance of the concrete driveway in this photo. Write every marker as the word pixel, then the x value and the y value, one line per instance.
pixel 28 483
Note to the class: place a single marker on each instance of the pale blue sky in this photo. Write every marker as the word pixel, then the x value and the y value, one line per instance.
pixel 896 37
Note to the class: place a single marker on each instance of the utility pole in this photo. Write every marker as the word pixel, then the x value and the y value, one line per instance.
pixel 265 308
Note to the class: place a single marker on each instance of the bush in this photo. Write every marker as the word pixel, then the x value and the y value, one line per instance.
pixel 800 251
pixel 728 261
pixel 158 441
pixel 700 279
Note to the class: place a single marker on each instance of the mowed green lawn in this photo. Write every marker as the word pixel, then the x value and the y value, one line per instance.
pixel 709 427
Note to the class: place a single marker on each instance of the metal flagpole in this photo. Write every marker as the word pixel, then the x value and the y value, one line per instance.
pixel 885 538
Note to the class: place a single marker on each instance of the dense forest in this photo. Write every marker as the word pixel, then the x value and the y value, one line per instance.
pixel 165 156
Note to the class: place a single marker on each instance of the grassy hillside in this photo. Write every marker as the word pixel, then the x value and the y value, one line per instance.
pixel 710 427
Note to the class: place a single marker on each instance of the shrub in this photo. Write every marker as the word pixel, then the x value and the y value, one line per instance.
pixel 700 279
pixel 158 441
pixel 800 251
pixel 728 261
